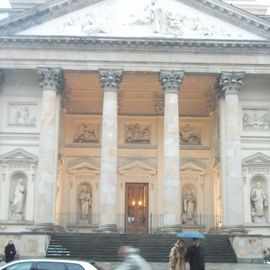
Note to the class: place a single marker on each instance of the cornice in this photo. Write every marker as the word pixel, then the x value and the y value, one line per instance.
pixel 54 9
pixel 136 44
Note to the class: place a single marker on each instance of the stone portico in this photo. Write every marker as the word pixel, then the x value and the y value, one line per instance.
pixel 138 128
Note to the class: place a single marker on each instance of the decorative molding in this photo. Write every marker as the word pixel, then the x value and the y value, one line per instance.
pixel 110 79
pixel 18 156
pixel 137 166
pixel 51 79
pixel 230 82
pixel 257 160
pixel 84 168
pixel 255 119
pixel 138 44
pixel 171 80
pixel 191 168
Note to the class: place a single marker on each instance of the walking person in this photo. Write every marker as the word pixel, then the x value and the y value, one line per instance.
pixel 177 256
pixel 195 255
pixel 131 259
pixel 10 251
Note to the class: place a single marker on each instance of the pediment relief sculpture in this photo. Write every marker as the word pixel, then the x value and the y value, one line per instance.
pixel 256 119
pixel 137 133
pixel 86 133
pixel 144 18
pixel 22 115
pixel 190 135
pixel 192 169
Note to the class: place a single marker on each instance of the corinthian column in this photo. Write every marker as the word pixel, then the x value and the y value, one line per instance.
pixel 110 81
pixel 232 188
pixel 51 82
pixel 171 81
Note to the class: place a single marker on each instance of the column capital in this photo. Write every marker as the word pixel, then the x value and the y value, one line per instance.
pixel 110 79
pixel 51 79
pixel 171 80
pixel 230 82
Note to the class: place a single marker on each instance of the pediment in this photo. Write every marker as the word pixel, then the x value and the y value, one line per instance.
pixel 257 159
pixel 150 19
pixel 18 155
pixel 190 167
pixel 83 166
pixel 137 167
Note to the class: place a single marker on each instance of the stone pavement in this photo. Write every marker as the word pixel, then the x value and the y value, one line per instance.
pixel 209 266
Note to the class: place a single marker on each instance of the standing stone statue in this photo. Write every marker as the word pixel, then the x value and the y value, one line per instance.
pixel 17 205
pixel 85 202
pixel 189 207
pixel 259 201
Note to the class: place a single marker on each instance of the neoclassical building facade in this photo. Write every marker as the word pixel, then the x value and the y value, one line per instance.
pixel 135 117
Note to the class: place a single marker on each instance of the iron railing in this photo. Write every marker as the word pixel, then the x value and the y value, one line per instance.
pixel 74 222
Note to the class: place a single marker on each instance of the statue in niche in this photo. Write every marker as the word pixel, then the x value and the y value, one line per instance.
pixel 17 204
pixel 258 203
pixel 85 199
pixel 189 135
pixel 137 134
pixel 86 134
pixel 189 207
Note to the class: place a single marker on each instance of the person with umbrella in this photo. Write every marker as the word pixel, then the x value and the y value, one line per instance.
pixel 195 255
pixel 177 256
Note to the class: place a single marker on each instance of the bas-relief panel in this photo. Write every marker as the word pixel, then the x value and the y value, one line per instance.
pixel 22 115
pixel 256 119
pixel 86 133
pixel 137 133
pixel 190 135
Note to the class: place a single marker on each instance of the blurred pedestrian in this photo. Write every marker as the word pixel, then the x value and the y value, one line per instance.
pixel 195 255
pixel 131 259
pixel 177 256
pixel 10 251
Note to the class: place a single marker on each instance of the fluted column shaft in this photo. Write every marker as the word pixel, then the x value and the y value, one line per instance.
pixel 51 81
pixel 232 191
pixel 171 81
pixel 110 81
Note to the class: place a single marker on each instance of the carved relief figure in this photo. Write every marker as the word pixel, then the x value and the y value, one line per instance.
pixel 85 199
pixel 17 204
pixel 190 135
pixel 86 134
pixel 20 115
pixel 259 202
pixel 256 120
pixel 189 207
pixel 135 133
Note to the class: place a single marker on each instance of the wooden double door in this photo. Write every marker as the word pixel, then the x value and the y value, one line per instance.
pixel 137 197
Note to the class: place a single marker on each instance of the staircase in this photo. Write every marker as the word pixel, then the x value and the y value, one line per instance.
pixel 153 247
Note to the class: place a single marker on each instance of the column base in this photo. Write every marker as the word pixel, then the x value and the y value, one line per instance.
pixel 108 228
pixel 47 228
pixel 234 229
pixel 171 229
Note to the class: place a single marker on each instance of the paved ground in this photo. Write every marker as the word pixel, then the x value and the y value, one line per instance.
pixel 209 266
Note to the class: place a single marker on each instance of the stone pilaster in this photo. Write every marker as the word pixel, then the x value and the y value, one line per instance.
pixel 110 81
pixel 1 81
pixel 51 82
pixel 171 81
pixel 232 186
